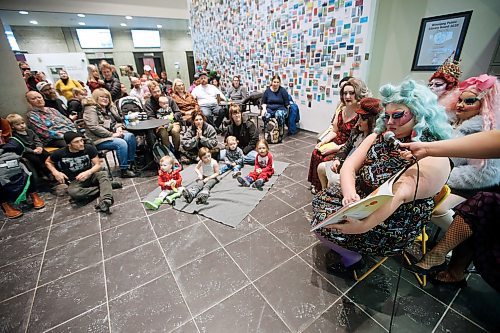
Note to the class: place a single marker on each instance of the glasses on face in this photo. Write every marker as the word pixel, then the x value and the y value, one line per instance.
pixel 26 69
pixel 469 101
pixel 396 116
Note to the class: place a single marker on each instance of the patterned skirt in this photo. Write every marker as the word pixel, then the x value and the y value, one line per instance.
pixel 316 159
pixel 388 238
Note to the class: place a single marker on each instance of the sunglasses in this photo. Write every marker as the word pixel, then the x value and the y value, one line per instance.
pixel 469 101
pixel 395 116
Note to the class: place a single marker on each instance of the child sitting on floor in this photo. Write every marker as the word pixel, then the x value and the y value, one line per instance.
pixel 207 171
pixel 169 179
pixel 264 167
pixel 233 160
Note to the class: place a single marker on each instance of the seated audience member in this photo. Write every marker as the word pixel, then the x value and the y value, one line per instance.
pixel 165 83
pixel 350 94
pixel 75 108
pixel 207 171
pixel 123 91
pixel 196 82
pixel 94 80
pixel 207 96
pixel 137 90
pixel 444 83
pixel 33 146
pixel 215 81
pixel 104 127
pixel 15 182
pixel 131 73
pixel 369 109
pixel 476 111
pixel 51 99
pixel 111 83
pixel 245 132
pixel 48 123
pixel 237 93
pixel 30 79
pixel 412 114
pixel 185 101
pixel 200 134
pixel 40 76
pixel 233 159
pixel 80 165
pixel 64 86
pixel 149 74
pixel 5 131
pixel 276 102
pixel 263 168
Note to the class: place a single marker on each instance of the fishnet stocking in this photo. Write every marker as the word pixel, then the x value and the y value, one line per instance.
pixel 456 234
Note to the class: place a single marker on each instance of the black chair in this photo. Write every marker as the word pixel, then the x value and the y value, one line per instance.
pixel 104 154
pixel 253 99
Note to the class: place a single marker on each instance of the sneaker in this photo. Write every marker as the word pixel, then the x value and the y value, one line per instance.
pixel 258 184
pixel 116 185
pixel 127 174
pixel 187 196
pixel 236 174
pixel 202 198
pixel 243 181
pixel 103 206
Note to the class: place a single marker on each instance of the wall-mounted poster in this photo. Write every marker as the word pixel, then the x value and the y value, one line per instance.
pixel 438 38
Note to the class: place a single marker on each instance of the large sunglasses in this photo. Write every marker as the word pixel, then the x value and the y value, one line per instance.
pixel 469 101
pixel 395 116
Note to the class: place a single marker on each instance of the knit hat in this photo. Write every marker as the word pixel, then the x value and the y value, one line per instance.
pixel 41 85
pixel 70 136
pixel 370 106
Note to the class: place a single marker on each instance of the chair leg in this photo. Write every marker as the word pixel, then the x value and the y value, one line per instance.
pixel 368 272
pixel 107 166
pixel 395 298
pixel 114 157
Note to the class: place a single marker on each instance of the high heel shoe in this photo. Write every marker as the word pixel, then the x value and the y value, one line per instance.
pixel 425 271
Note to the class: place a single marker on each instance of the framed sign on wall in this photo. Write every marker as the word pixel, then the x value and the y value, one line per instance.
pixel 438 38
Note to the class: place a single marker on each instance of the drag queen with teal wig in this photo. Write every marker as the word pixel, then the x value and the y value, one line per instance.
pixel 412 114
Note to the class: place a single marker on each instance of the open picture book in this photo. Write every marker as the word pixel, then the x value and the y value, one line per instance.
pixel 366 206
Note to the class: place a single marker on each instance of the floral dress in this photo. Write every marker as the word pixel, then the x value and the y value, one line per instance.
pixel 316 158
pixel 394 234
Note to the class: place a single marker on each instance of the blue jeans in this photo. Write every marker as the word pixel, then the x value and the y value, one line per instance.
pixel 125 148
pixel 214 113
pixel 247 159
pixel 279 114
pixel 227 167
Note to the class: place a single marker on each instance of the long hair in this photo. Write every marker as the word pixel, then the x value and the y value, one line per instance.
pixel 176 82
pixel 90 70
pixel 360 89
pixel 487 88
pixel 422 102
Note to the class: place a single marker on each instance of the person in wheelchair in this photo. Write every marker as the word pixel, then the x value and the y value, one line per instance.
pixel 276 100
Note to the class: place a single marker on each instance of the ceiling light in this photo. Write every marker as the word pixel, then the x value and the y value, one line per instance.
pixel 9 33
pixel 123 24
pixel 159 26
pixel 23 12
pixel 80 15
pixel 81 23
pixel 128 17
pixel 34 22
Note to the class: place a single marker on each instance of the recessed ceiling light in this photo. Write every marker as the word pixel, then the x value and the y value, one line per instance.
pixel 81 23
pixel 128 17
pixel 123 24
pixel 23 12
pixel 159 26
pixel 80 15
pixel 34 22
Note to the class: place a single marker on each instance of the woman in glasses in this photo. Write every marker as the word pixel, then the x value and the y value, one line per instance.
pixel 476 111
pixel 412 114
pixel 444 83
pixel 368 111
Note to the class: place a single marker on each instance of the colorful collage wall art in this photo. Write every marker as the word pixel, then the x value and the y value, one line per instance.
pixel 311 44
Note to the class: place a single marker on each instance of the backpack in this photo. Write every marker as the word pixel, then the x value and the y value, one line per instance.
pixel 272 131
pixel 293 116
pixel 14 176
pixel 160 150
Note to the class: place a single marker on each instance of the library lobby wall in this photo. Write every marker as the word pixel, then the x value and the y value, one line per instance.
pixel 174 45
pixel 311 45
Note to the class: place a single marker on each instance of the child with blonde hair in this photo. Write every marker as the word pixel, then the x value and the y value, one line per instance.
pixel 233 159
pixel 170 180
pixel 263 169
pixel 207 170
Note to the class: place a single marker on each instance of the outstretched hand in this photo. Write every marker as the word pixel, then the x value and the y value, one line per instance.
pixel 416 150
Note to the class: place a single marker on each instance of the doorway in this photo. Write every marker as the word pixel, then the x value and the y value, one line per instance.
pixel 153 59
pixel 191 66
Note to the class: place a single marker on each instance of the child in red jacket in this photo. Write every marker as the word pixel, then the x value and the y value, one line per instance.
pixel 263 169
pixel 169 179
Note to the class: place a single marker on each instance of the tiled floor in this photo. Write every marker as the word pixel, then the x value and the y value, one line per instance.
pixel 68 269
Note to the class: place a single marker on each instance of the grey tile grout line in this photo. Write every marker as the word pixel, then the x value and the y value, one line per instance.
pixel 104 272
pixel 77 316
pixel 250 280
pixel 455 311
pixel 168 264
pixel 41 266
pixel 283 201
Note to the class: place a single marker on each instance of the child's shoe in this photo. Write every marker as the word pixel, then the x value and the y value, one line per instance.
pixel 258 184
pixel 153 205
pixel 188 196
pixel 236 174
pixel 202 198
pixel 243 181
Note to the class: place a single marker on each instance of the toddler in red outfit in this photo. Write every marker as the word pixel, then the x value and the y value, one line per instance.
pixel 170 181
pixel 263 169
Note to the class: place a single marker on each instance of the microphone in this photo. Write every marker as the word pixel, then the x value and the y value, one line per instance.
pixel 390 138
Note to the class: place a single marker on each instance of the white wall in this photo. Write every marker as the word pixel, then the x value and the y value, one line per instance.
pixel 396 33
pixel 174 45
pixel 74 63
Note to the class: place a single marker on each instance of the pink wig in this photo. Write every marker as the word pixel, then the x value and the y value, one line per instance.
pixel 487 89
